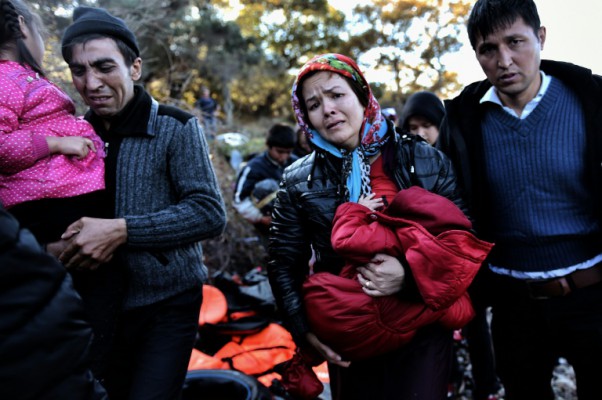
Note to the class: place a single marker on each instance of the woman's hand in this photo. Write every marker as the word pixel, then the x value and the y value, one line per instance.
pixel 382 276
pixel 70 146
pixel 326 351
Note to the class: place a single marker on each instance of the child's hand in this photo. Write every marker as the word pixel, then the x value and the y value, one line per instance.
pixel 70 146
pixel 370 202
pixel 329 354
pixel 266 220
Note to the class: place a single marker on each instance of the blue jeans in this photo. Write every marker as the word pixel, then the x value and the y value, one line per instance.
pixel 153 347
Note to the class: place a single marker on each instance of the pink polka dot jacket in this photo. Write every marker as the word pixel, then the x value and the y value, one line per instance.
pixel 32 108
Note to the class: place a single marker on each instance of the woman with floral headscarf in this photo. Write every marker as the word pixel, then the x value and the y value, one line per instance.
pixel 357 152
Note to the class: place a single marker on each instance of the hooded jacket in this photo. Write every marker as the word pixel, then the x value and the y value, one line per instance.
pixel 424 104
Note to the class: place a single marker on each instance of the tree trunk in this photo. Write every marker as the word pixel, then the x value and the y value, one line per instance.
pixel 228 105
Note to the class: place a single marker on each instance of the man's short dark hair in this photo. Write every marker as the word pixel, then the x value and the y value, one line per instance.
pixel 489 16
pixel 281 135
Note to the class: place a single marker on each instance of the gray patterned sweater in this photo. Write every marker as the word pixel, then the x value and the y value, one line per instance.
pixel 164 185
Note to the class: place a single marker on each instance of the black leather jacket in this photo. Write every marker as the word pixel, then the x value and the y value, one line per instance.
pixel 310 192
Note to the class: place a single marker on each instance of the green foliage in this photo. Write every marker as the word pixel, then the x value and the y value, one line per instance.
pixel 293 30
pixel 409 38
pixel 246 55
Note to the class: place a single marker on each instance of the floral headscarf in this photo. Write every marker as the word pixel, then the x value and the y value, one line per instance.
pixel 356 167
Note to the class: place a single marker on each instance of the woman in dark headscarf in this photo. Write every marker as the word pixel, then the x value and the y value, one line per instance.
pixel 357 152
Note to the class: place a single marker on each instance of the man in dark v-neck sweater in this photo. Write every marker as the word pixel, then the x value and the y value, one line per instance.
pixel 527 148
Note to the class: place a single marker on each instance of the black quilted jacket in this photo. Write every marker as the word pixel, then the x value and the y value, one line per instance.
pixel 43 336
pixel 309 194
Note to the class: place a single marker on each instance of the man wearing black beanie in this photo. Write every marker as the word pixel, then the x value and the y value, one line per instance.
pixel 98 21
pixel 165 197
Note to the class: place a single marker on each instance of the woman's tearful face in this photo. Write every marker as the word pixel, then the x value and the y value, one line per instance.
pixel 334 110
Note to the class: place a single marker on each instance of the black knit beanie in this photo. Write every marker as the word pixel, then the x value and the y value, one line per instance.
pixel 425 104
pixel 87 20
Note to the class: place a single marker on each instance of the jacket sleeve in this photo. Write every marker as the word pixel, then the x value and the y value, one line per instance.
pixel 289 253
pixel 357 235
pixel 247 178
pixel 452 144
pixel 198 210
pixel 444 140
pixel 19 149
pixel 242 201
pixel 247 210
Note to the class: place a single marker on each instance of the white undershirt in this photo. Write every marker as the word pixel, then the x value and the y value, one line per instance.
pixel 492 96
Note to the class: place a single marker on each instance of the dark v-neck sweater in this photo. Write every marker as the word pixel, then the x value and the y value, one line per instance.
pixel 543 213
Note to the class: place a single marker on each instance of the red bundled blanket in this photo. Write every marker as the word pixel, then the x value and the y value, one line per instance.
pixel 442 255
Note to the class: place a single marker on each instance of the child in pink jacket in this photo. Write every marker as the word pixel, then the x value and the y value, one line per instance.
pixel 51 163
